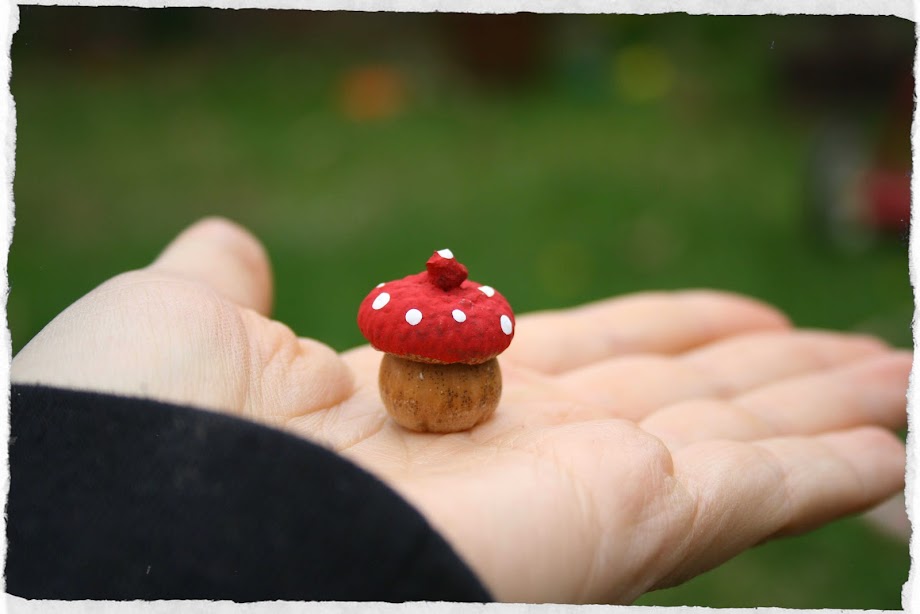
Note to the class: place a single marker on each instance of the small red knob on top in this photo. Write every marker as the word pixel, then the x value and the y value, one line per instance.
pixel 444 271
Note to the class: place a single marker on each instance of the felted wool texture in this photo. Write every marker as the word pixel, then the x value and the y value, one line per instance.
pixel 437 316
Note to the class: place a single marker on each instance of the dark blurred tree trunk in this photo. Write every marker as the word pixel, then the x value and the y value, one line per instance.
pixel 499 50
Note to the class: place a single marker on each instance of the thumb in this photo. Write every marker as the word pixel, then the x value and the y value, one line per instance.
pixel 224 256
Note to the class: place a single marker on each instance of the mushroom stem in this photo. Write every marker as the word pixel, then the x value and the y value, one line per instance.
pixel 439 398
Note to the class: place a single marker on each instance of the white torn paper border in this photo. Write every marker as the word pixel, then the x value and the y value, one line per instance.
pixel 8 25
pixel 910 600
pixel 898 8
pixel 9 22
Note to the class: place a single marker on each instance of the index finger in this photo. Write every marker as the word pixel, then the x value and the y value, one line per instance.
pixel 647 323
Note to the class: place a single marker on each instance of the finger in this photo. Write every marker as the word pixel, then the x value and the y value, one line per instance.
pixel 633 387
pixel 292 376
pixel 871 391
pixel 867 392
pixel 749 492
pixel 834 475
pixel 748 361
pixel 226 257
pixel 364 362
pixel 660 323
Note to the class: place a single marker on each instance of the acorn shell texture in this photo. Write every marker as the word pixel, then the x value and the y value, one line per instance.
pixel 438 398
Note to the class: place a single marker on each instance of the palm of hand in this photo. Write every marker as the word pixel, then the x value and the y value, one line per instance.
pixel 639 441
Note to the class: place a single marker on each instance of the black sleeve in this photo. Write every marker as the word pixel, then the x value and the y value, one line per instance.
pixel 117 498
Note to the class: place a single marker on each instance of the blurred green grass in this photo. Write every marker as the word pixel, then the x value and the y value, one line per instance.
pixel 557 193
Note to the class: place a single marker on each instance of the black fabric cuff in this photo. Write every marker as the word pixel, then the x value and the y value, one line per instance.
pixel 123 498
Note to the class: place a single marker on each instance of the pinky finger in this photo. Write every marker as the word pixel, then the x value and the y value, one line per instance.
pixel 748 493
pixel 836 474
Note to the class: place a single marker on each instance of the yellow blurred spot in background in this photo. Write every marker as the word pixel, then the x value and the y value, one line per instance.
pixel 643 73
pixel 372 92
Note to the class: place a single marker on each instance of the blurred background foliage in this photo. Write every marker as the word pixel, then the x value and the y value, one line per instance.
pixel 563 158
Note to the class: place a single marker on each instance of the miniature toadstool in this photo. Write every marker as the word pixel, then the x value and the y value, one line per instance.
pixel 441 334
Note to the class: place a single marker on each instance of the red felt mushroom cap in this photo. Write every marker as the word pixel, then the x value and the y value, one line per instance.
pixel 437 315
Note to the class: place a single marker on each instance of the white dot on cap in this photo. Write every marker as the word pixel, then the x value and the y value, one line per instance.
pixel 459 316
pixel 413 316
pixel 380 285
pixel 487 290
pixel 445 253
pixel 506 324
pixel 382 299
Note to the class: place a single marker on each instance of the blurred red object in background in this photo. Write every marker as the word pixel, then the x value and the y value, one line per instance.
pixel 888 199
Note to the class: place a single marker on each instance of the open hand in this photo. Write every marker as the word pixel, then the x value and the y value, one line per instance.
pixel 639 441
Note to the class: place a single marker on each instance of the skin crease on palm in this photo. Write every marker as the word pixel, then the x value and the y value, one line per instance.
pixel 640 440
